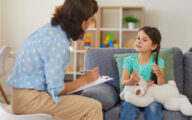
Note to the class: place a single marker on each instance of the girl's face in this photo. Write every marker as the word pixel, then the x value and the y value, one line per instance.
pixel 143 43
pixel 86 23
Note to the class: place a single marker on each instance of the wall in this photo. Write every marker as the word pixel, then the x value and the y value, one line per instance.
pixel 1 38
pixel 22 17
pixel 172 17
pixel 0 22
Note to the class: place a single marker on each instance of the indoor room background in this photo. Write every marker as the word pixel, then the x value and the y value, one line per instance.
pixel 19 18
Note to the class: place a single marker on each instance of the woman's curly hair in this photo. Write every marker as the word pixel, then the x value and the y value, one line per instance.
pixel 71 15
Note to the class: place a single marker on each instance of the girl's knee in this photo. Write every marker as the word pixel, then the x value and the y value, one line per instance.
pixel 126 104
pixel 129 106
pixel 154 107
pixel 128 111
pixel 153 112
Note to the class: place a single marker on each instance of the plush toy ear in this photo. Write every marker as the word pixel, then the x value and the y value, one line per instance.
pixel 138 91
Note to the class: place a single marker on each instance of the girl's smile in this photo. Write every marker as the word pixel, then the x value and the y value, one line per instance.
pixel 138 46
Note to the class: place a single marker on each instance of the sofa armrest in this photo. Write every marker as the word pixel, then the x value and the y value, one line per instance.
pixel 188 75
pixel 104 93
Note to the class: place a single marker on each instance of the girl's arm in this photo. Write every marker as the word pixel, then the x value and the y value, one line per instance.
pixel 159 73
pixel 126 80
pixel 161 77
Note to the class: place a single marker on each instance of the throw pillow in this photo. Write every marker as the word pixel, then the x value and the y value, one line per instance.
pixel 166 54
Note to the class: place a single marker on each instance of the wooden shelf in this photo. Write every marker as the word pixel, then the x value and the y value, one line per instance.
pixel 79 51
pixel 109 29
pixel 128 30
pixel 91 29
pixel 69 73
pixel 109 19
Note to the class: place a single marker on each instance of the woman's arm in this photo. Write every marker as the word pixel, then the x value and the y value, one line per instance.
pixel 88 77
pixel 71 86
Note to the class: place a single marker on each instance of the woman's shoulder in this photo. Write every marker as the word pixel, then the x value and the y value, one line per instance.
pixel 54 34
pixel 49 35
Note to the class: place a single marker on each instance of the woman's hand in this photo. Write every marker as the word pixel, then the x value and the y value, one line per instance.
pixel 156 69
pixel 90 76
pixel 135 78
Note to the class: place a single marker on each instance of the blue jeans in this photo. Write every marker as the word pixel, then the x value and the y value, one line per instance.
pixel 151 112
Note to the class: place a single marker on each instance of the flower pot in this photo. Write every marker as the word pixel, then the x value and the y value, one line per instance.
pixel 131 25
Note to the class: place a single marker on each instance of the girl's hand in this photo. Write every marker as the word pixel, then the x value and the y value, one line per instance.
pixel 135 78
pixel 156 69
pixel 91 75
pixel 149 83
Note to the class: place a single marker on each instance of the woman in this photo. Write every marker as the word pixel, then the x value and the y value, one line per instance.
pixel 38 74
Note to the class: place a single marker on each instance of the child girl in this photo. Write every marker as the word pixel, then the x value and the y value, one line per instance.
pixel 147 64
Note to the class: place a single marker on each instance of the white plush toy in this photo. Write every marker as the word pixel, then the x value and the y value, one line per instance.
pixel 167 94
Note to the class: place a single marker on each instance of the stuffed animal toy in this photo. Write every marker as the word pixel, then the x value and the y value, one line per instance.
pixel 166 94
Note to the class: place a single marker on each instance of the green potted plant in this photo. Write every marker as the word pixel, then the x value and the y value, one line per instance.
pixel 131 21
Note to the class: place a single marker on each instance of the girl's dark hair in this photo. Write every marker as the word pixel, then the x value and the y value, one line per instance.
pixel 71 15
pixel 154 34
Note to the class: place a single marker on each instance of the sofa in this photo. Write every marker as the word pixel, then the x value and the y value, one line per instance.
pixel 190 50
pixel 188 75
pixel 108 93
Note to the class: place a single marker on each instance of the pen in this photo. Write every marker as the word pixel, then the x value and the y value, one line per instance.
pixel 83 72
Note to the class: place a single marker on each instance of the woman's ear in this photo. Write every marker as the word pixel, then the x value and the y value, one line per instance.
pixel 85 23
pixel 84 26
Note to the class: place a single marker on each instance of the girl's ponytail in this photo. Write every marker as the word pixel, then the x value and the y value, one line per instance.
pixel 155 36
pixel 153 76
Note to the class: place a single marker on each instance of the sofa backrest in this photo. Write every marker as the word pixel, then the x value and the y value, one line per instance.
pixel 190 50
pixel 188 75
pixel 104 58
